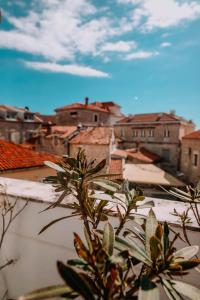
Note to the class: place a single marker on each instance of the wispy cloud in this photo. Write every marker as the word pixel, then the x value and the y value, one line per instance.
pixel 165 44
pixel 67 69
pixel 151 14
pixel 120 46
pixel 141 55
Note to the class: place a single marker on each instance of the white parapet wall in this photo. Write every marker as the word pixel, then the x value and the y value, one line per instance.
pixel 36 255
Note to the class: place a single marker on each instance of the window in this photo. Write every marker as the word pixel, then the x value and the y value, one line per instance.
pixel 11 115
pixel 143 133
pixel 96 118
pixel 122 132
pixel 28 116
pixel 166 133
pixel 73 113
pixel 189 151
pixel 151 132
pixel 195 159
pixel 166 154
pixel 135 133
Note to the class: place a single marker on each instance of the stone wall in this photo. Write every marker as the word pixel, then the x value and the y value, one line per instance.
pixel 98 152
pixel 168 147
pixel 189 148
pixel 16 131
pixel 83 116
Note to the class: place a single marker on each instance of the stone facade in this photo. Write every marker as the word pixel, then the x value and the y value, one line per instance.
pixel 190 157
pixel 89 114
pixel 98 143
pixel 159 133
pixel 17 125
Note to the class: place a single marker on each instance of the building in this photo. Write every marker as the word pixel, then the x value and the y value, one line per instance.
pixel 160 133
pixel 89 114
pixel 98 143
pixel 190 156
pixel 21 163
pixel 54 139
pixel 18 124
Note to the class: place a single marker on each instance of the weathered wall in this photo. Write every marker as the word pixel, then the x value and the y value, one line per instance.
pixel 35 174
pixel 98 152
pixel 188 149
pixel 16 131
pixel 157 143
pixel 83 116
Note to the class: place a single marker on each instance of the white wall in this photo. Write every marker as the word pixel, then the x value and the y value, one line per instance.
pixel 37 254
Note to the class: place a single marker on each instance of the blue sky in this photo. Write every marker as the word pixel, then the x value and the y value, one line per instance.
pixel 143 54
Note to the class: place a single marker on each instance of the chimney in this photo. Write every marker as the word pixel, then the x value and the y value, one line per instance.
pixel 172 112
pixel 86 100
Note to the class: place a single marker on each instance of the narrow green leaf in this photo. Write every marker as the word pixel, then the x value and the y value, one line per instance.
pixel 166 238
pixel 54 166
pixel 47 292
pixel 105 185
pixel 55 221
pixel 108 238
pixel 155 248
pixel 75 281
pixel 145 205
pixel 186 289
pixel 151 225
pixel 186 253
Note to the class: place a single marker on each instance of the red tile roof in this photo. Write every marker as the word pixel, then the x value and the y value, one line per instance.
pixel 82 106
pixel 93 136
pixel 152 117
pixel 46 118
pixel 14 157
pixel 193 135
pixel 142 155
pixel 116 167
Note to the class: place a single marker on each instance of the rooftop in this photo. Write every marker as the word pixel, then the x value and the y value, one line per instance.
pixel 78 105
pixel 153 117
pixel 141 154
pixel 193 135
pixel 13 157
pixel 149 174
pixel 116 167
pixel 93 136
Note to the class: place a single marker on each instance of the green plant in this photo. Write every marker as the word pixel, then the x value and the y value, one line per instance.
pixel 130 261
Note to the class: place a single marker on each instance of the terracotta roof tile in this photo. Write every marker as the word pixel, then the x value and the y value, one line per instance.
pixel 82 106
pixel 116 167
pixel 142 155
pixel 152 117
pixel 193 135
pixel 93 136
pixel 14 157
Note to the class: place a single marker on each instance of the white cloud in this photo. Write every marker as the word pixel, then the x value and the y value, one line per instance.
pixel 61 30
pixel 141 55
pixel 165 44
pixel 120 46
pixel 72 69
pixel 150 14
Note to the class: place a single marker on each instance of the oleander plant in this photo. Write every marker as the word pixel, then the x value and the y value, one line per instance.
pixel 135 259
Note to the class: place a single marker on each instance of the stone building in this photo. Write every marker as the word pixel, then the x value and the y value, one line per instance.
pixel 18 124
pixel 190 156
pixel 89 114
pixel 160 133
pixel 54 139
pixel 98 143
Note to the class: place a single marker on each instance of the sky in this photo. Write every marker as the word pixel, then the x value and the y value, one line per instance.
pixel 142 54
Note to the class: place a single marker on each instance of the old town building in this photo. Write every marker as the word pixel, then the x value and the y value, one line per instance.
pixel 90 114
pixel 160 133
pixel 18 124
pixel 98 143
pixel 190 156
